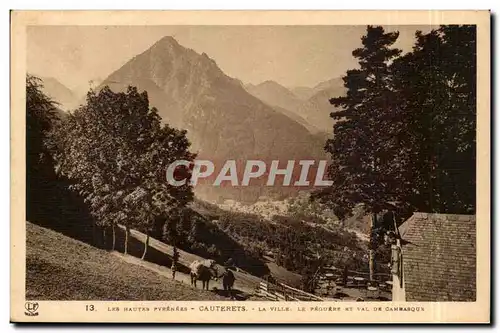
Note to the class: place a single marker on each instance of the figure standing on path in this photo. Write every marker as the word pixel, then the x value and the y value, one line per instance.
pixel 175 259
pixel 344 275
pixel 174 269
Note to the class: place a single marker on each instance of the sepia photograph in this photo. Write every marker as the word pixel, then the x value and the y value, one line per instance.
pixel 300 165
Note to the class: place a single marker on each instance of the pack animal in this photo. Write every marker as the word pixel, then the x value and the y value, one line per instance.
pixel 204 272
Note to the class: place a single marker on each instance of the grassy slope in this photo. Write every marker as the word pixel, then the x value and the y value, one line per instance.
pixel 61 268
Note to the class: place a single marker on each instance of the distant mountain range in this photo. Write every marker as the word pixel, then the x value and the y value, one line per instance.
pixel 64 96
pixel 282 100
pixel 275 94
pixel 310 106
pixel 316 110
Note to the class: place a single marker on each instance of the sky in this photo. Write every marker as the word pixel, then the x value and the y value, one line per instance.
pixel 290 55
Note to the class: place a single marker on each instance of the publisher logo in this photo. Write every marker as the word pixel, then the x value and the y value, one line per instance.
pixel 31 308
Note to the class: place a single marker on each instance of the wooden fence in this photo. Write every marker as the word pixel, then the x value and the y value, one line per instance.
pixel 282 292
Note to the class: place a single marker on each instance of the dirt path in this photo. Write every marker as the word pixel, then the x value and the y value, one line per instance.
pixel 242 289
pixel 245 282
pixel 181 277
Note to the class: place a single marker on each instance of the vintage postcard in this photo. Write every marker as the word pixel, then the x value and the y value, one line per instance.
pixel 250 166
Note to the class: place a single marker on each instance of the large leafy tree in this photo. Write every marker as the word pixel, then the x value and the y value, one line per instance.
pixel 115 151
pixel 48 200
pixel 40 118
pixel 366 164
pixel 436 93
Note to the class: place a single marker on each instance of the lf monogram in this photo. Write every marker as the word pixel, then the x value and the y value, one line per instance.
pixel 31 307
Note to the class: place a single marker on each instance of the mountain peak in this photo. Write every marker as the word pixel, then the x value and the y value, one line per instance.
pixel 269 83
pixel 165 47
pixel 168 47
pixel 167 40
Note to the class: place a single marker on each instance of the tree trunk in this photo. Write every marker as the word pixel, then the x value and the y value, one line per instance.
pixel 372 251
pixel 104 237
pixel 127 231
pixel 396 229
pixel 114 238
pixel 94 235
pixel 146 245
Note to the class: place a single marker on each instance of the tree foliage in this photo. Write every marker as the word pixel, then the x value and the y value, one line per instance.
pixel 405 134
pixel 294 244
pixel 48 200
pixel 365 164
pixel 115 151
pixel 40 117
pixel 435 86
pixel 197 234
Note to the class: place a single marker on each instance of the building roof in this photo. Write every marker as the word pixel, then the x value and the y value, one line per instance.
pixel 439 257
